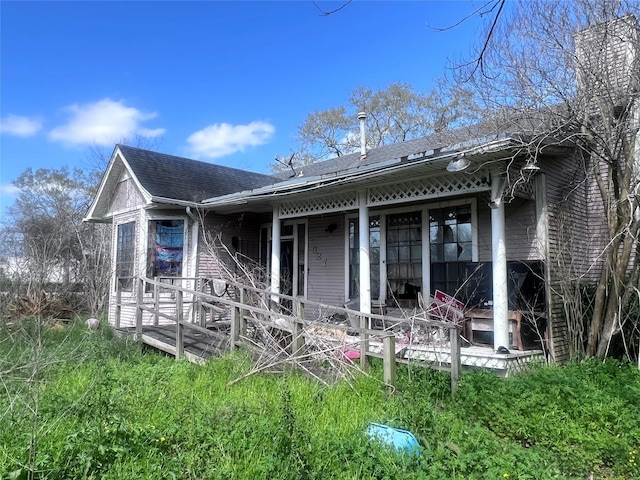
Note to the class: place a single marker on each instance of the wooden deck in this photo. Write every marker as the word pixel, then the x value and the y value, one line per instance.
pixel 199 344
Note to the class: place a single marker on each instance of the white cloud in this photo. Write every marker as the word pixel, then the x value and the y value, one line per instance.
pixel 20 126
pixel 222 139
pixel 8 190
pixel 103 123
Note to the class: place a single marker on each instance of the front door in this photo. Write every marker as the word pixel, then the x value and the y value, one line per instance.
pixel 293 257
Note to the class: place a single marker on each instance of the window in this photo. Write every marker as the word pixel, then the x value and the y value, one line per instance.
pixel 450 246
pixel 125 254
pixel 374 257
pixel 404 254
pixel 166 239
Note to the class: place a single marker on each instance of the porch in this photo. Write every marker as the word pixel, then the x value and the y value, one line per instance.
pixel 283 329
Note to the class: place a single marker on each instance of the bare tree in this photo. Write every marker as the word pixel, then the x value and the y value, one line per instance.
pixel 395 114
pixel 570 69
pixel 50 245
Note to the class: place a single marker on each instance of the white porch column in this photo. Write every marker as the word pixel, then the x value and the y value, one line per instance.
pixel 365 267
pixel 499 262
pixel 275 253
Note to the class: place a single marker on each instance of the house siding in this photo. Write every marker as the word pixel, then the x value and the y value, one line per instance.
pixel 568 214
pixel 520 230
pixel 218 230
pixel 325 264
pixel 125 196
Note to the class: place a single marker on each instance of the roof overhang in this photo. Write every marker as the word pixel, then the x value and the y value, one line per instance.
pixel 483 154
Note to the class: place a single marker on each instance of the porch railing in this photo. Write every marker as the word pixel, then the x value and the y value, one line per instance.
pixel 242 305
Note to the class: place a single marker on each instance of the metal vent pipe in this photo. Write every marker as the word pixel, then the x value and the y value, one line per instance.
pixel 362 116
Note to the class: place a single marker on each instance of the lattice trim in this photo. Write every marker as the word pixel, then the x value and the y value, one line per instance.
pixel 525 190
pixel 432 187
pixel 330 203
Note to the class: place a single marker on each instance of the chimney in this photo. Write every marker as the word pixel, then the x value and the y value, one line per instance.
pixel 362 116
pixel 607 59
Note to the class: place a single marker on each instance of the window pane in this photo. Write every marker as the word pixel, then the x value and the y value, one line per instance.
pixel 464 232
pixel 449 233
pixel 450 252
pixel 125 254
pixel 166 239
pixel 286 230
pixel 465 254
pixel 435 234
pixel 437 253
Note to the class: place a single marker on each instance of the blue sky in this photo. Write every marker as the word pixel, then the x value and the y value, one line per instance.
pixel 223 82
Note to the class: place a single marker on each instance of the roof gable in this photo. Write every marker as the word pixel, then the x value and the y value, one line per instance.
pixel 177 178
pixel 169 179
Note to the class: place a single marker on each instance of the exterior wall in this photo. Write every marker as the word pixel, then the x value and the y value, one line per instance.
pixel 326 262
pixel 189 265
pixel 569 242
pixel 520 234
pixel 219 230
pixel 125 196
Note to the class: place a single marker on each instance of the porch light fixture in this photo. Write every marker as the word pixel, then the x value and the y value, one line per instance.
pixel 458 164
pixel 531 167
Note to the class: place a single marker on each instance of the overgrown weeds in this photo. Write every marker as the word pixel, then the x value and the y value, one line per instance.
pixel 99 407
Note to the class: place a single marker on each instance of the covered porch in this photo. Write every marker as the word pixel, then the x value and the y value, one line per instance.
pixel 378 239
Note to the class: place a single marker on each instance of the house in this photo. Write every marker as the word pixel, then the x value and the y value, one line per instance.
pixel 479 214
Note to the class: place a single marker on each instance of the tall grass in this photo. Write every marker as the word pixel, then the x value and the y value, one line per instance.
pixel 107 409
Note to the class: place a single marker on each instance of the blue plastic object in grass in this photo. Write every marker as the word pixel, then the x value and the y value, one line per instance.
pixel 401 440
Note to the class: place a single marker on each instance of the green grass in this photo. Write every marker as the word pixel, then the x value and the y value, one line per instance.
pixel 80 404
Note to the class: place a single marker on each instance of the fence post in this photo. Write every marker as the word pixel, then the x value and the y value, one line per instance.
pixel 235 327
pixel 389 360
pixel 454 342
pixel 242 321
pixel 297 340
pixel 179 325
pixel 364 341
pixel 118 302
pixel 139 304
pixel 199 309
pixel 156 301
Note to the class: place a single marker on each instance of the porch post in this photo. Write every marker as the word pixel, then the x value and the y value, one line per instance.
pixel 365 267
pixel 275 254
pixel 499 262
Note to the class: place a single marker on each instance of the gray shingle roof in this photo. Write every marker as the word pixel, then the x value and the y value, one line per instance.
pixel 446 139
pixel 180 178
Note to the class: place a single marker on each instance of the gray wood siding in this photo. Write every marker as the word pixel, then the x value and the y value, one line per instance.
pixel 568 212
pixel 325 266
pixel 124 197
pixel 217 230
pixel 520 230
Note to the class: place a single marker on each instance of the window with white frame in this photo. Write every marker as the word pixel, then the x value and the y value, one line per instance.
pixel 404 254
pixel 125 254
pixel 450 247
pixel 166 248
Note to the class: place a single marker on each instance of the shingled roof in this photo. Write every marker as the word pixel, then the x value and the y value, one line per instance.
pixel 179 178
